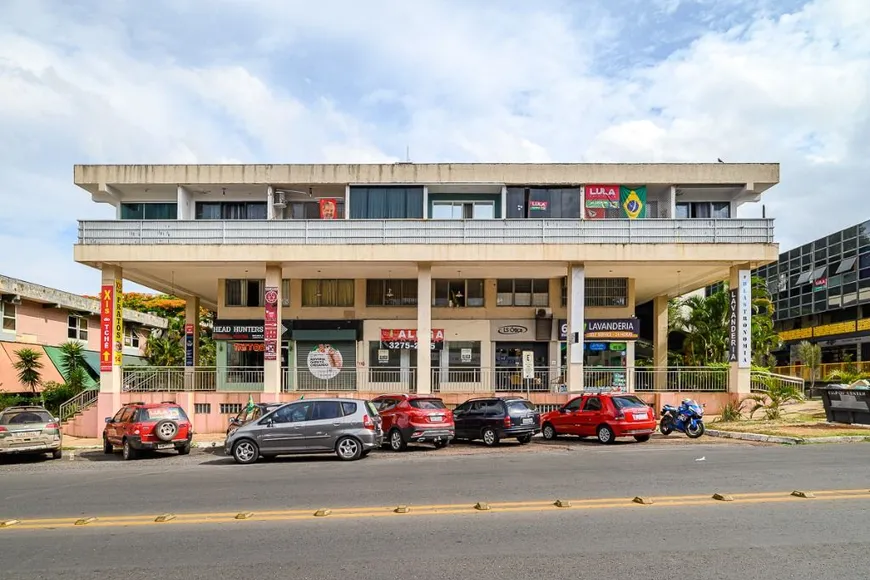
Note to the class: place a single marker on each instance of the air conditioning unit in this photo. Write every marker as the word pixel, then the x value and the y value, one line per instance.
pixel 544 313
pixel 280 201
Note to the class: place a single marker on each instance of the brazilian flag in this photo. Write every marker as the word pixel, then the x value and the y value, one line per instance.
pixel 632 200
pixel 250 405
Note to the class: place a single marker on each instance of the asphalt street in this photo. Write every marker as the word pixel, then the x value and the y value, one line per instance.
pixel 813 538
pixel 94 484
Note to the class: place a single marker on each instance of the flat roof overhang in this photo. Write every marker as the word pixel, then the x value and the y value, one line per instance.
pixel 761 175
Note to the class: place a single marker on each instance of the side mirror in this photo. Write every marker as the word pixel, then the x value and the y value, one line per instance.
pixel 108 419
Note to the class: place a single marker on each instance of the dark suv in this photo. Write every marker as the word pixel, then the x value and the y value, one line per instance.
pixel 148 427
pixel 495 418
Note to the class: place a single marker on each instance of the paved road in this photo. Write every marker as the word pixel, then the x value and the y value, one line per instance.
pixel 823 541
pixel 96 485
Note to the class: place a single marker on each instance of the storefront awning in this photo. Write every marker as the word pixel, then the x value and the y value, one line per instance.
pixel 56 356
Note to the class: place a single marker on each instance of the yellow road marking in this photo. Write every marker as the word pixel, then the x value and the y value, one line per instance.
pixel 434 509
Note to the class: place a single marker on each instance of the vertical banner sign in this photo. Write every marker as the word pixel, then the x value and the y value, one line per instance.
pixel 733 324
pixel 188 345
pixel 107 313
pixel 119 322
pixel 744 332
pixel 270 324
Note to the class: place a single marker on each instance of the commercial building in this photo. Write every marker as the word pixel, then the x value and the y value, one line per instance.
pixel 335 277
pixel 821 293
pixel 41 319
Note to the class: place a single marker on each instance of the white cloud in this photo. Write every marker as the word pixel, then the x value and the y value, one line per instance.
pixel 548 81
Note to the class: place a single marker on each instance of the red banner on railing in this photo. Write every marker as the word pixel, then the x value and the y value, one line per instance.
pixel 107 312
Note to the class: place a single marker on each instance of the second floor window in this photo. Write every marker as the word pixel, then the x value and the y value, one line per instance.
pixel 77 328
pixel 601 292
pixel 131 337
pixel 231 210
pixel 7 317
pixel 391 292
pixel 523 292
pixel 324 293
pixel 463 210
pixel 149 211
pixel 457 293
pixel 243 293
pixel 704 209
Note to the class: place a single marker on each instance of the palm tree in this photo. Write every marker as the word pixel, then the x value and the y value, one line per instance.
pixel 811 356
pixel 28 367
pixel 72 356
pixel 164 350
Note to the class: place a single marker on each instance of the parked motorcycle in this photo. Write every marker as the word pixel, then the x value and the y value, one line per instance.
pixel 687 418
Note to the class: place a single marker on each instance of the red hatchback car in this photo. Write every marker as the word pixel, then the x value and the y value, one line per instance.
pixel 148 427
pixel 415 419
pixel 602 415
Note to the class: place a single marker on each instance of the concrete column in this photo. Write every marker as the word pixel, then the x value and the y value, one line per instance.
pixel 270 202
pixel 347 202
pixel 109 399
pixel 672 202
pixel 660 342
pixel 576 326
pixel 740 371
pixel 272 368
pixel 185 210
pixel 503 203
pixel 425 202
pixel 424 328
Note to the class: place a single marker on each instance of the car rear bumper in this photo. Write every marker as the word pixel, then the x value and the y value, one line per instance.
pixel 34 448
pixel 520 431
pixel 423 434
pixel 634 429
pixel 139 445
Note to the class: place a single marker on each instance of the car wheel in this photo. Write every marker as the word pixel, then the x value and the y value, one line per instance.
pixel 524 439
pixel 127 451
pixel 549 432
pixel 246 452
pixel 184 449
pixel 107 447
pixel 57 454
pixel 397 441
pixel 641 438
pixel 348 449
pixel 442 444
pixel 606 434
pixel 490 437
pixel 166 430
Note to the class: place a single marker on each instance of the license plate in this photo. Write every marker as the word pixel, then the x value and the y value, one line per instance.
pixel 638 416
pixel 436 418
pixel 28 434
pixel 165 446
pixel 528 421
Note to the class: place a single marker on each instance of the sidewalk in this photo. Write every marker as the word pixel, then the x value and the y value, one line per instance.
pixel 199 440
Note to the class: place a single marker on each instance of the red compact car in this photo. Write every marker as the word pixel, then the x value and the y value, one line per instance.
pixel 603 415
pixel 148 427
pixel 415 419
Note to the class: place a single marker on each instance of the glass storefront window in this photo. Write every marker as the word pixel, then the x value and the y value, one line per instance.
pixel 463 361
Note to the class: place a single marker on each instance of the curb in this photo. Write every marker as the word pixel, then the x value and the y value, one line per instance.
pixel 194 445
pixel 785 440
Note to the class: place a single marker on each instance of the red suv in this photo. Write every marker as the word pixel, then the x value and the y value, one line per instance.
pixel 603 415
pixel 415 419
pixel 148 427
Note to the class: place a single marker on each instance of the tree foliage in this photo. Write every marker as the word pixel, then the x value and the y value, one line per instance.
pixel 29 366
pixel 811 356
pixel 166 348
pixel 705 322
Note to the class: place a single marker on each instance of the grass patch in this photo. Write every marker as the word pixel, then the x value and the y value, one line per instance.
pixel 799 425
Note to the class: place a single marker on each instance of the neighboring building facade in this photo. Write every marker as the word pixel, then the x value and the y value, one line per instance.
pixel 41 318
pixel 821 293
pixel 332 278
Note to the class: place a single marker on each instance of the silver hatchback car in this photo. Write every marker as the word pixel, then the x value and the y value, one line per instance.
pixel 350 428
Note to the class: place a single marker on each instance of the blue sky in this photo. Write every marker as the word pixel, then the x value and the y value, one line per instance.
pixel 210 81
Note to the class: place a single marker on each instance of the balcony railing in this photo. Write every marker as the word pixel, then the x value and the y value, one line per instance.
pixel 401 232
pixel 404 380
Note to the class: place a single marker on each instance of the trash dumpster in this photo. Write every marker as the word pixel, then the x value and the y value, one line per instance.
pixel 846 405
